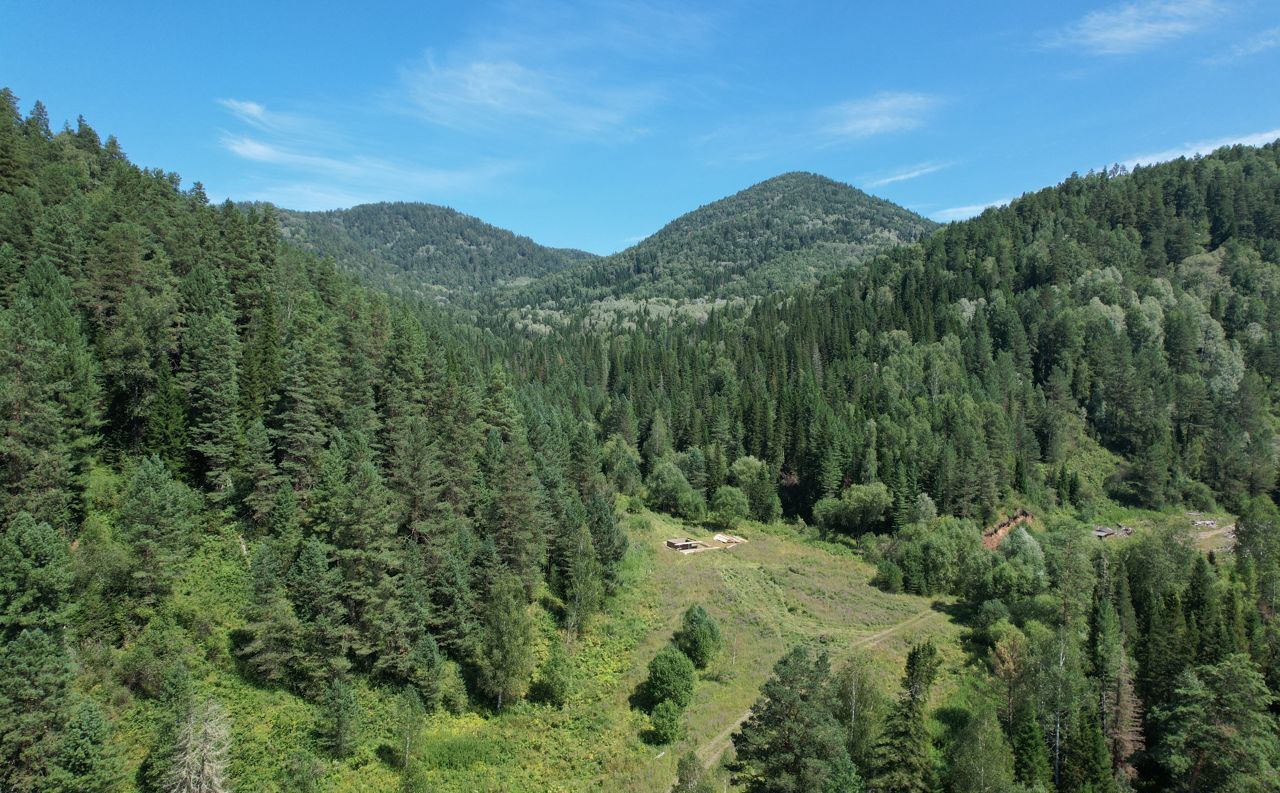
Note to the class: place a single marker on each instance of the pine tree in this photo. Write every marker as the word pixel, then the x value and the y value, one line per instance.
pixel 35 673
pixel 1216 733
pixel 791 742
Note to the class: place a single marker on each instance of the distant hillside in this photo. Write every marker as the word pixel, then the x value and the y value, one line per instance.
pixel 423 249
pixel 780 233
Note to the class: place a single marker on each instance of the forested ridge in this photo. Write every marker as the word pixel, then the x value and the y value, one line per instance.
pixel 781 233
pixel 422 250
pixel 234 474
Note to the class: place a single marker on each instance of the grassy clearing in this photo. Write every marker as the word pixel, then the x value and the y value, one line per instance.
pixel 776 591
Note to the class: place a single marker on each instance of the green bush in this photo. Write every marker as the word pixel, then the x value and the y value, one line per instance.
pixel 860 508
pixel 699 637
pixel 671 676
pixel 666 722
pixel 555 677
pixel 888 577
pixel 729 506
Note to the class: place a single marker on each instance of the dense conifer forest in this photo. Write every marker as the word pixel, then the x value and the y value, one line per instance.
pixel 268 524
pixel 423 250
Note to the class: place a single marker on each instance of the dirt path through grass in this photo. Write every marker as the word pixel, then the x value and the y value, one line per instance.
pixel 711 751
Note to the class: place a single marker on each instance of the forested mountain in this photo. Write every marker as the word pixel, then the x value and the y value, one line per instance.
pixel 784 232
pixel 424 250
pixel 267 528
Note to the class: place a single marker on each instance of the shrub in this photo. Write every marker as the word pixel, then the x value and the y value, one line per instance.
pixel 888 577
pixel 759 483
pixel 666 722
pixel 691 505
pixel 699 637
pixel 670 492
pixel 729 506
pixel 691 777
pixel 670 678
pixel 453 689
pixel 555 677
pixel 860 508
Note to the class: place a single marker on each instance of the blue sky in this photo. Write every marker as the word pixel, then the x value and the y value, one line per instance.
pixel 592 124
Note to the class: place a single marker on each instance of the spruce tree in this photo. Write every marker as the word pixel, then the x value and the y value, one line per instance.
pixel 903 762
pixel 1030 750
pixel 209 374
pixel 339 719
pixel 35 674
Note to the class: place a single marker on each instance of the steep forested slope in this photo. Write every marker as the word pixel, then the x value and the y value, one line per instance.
pixel 257 521
pixel 781 233
pixel 240 494
pixel 424 250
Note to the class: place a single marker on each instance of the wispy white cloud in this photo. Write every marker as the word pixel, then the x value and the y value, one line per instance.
pixel 483 94
pixel 304 172
pixel 966 212
pixel 841 123
pixel 564 69
pixel 1204 147
pixel 1135 27
pixel 877 115
pixel 911 172
pixel 1253 45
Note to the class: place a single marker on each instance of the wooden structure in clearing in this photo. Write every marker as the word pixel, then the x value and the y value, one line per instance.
pixel 690 545
pixel 686 544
